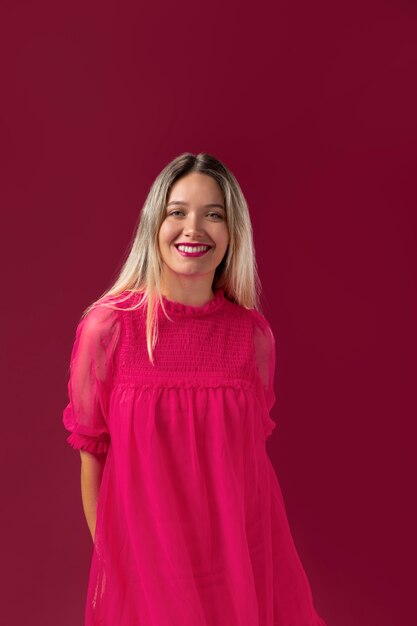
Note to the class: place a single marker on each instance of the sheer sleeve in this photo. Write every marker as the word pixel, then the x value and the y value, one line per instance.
pixel 264 348
pixel 85 416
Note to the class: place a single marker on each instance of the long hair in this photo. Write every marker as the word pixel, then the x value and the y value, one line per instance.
pixel 237 273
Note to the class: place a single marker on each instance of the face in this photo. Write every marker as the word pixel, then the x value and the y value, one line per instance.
pixel 195 213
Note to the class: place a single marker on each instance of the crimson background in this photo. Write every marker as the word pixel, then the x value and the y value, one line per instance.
pixel 313 107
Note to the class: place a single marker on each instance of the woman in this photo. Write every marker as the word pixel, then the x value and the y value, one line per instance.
pixel 170 389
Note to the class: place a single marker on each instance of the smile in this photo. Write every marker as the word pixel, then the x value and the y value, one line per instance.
pixel 192 251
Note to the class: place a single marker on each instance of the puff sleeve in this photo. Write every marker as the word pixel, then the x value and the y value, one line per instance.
pixel 265 356
pixel 89 385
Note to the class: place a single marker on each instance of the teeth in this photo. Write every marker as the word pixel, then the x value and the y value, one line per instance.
pixel 192 248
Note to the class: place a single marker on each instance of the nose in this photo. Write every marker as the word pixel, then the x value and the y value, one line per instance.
pixel 193 225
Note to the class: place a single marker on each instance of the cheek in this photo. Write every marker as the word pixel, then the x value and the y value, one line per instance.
pixel 225 238
pixel 163 236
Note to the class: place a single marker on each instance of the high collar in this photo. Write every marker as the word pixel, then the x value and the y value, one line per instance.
pixel 172 306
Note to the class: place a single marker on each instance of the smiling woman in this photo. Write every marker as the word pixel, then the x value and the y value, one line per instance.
pixel 182 501
pixel 187 275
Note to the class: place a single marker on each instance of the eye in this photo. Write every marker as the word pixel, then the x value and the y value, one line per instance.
pixel 217 215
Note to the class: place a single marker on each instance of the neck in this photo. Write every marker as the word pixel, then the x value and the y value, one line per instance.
pixel 188 291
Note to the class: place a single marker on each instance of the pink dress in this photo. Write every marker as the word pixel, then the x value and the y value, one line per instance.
pixel 191 525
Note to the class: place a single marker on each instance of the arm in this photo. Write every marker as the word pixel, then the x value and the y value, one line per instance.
pixel 91 474
pixel 264 347
pixel 86 414
pixel 264 344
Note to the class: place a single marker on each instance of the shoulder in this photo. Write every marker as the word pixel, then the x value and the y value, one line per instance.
pixel 256 320
pixel 102 320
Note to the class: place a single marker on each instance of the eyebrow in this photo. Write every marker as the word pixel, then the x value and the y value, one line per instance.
pixel 206 206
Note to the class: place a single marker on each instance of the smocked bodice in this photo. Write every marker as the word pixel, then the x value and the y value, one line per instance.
pixel 204 345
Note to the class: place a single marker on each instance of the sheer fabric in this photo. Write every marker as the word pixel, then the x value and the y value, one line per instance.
pixel 90 380
pixel 191 525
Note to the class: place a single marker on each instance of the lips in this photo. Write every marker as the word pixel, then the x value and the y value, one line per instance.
pixel 193 251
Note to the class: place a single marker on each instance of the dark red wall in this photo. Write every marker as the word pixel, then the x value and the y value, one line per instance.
pixel 313 107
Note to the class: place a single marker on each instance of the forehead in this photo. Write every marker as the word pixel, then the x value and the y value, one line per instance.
pixel 195 184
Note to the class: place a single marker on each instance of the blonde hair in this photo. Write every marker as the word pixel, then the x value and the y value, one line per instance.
pixel 237 273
